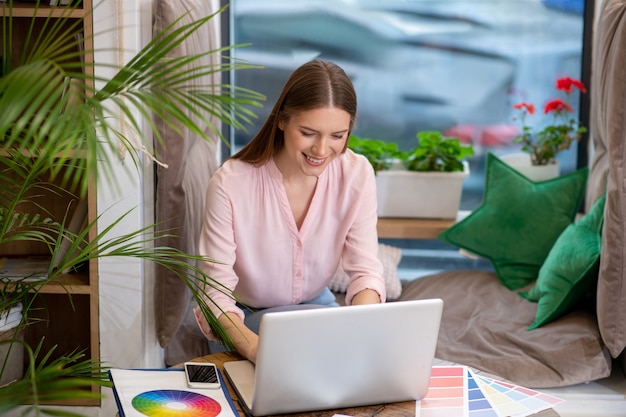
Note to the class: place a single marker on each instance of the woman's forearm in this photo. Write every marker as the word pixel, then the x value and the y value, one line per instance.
pixel 367 296
pixel 244 339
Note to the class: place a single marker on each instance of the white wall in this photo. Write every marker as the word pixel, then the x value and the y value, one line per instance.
pixel 127 336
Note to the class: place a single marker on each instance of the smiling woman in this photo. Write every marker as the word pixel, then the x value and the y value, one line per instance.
pixel 312 140
pixel 284 211
pixel 319 135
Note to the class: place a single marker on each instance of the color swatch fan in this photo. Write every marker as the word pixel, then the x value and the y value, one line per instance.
pixel 456 391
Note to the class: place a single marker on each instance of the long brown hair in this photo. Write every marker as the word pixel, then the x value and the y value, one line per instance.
pixel 312 85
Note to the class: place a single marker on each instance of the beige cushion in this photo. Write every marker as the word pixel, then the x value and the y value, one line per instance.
pixel 608 130
pixel 390 258
pixel 485 325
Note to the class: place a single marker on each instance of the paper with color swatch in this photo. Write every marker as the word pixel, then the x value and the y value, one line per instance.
pixel 457 391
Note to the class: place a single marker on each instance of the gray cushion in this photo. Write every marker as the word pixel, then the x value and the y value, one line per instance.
pixel 485 325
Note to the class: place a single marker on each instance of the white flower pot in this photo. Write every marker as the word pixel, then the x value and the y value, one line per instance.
pixel 522 164
pixel 411 194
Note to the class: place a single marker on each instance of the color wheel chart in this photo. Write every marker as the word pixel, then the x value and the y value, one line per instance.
pixel 164 393
pixel 175 403
pixel 456 391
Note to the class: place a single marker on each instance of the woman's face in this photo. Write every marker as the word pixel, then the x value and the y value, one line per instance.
pixel 313 139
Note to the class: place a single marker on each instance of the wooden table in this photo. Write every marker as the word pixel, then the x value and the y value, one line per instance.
pixel 401 228
pixel 402 409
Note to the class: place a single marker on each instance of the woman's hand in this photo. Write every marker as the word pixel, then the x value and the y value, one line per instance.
pixel 367 296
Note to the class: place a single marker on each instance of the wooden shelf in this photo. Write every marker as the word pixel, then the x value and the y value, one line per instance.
pixel 75 283
pixel 73 154
pixel 67 326
pixel 80 402
pixel 31 10
pixel 65 312
pixel 401 228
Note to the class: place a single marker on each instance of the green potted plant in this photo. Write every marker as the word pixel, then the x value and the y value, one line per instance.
pixel 538 160
pixel 424 182
pixel 46 150
pixel 380 154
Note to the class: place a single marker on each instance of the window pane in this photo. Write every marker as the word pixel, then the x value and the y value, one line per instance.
pixel 452 65
pixel 457 66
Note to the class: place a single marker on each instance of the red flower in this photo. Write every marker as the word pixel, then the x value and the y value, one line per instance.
pixel 543 145
pixel 530 108
pixel 566 83
pixel 557 105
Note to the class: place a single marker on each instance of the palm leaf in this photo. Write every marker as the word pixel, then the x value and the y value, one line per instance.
pixel 55 138
pixel 150 84
pixel 70 376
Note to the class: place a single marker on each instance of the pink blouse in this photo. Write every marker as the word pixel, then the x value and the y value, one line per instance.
pixel 250 230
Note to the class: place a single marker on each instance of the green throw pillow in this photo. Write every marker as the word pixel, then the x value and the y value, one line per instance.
pixel 518 221
pixel 570 269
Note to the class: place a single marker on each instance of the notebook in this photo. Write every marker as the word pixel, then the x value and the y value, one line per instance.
pixel 326 358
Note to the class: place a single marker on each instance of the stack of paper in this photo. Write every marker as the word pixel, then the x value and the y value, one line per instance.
pixel 456 391
pixel 25 268
pixel 9 319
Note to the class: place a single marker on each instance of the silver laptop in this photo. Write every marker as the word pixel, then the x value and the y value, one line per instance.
pixel 339 357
